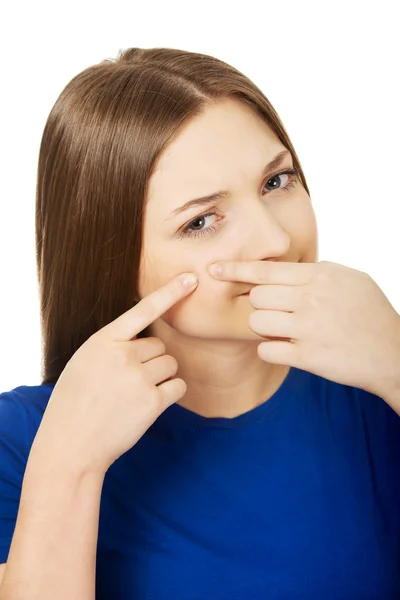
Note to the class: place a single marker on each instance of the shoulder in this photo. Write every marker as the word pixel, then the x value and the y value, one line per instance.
pixel 349 410
pixel 21 412
pixel 327 392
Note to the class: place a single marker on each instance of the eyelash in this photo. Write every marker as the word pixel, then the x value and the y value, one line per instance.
pixel 186 233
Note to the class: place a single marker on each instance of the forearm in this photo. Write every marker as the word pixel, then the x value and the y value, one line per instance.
pixel 53 551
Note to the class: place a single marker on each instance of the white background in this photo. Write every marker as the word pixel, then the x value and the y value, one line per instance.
pixel 331 70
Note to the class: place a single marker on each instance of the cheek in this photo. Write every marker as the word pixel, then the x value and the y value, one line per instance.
pixel 155 271
pixel 308 234
pixel 158 271
pixel 300 223
pixel 160 262
pixel 202 305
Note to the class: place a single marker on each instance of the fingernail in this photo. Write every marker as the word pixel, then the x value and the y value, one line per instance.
pixel 189 279
pixel 215 269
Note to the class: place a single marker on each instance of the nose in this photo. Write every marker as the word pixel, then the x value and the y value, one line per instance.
pixel 265 237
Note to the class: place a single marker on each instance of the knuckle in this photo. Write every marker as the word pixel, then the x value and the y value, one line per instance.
pixel 158 345
pixel 323 276
pixel 155 398
pixel 182 388
pixel 324 271
pixel 138 376
pixel 175 292
pixel 118 354
pixel 366 276
pixel 173 364
pixel 255 296
pixel 147 309
pixel 172 290
pixel 311 299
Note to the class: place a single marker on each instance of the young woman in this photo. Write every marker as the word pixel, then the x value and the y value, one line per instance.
pixel 195 435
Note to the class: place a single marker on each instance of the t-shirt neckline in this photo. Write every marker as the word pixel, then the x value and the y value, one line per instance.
pixel 180 415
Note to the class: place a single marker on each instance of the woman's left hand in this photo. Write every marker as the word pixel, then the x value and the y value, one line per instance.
pixel 324 318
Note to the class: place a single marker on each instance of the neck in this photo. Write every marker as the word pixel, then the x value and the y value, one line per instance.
pixel 223 378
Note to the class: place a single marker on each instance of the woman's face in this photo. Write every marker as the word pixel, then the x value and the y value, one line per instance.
pixel 259 217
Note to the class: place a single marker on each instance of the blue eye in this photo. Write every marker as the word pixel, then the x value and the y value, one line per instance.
pixel 291 183
pixel 196 227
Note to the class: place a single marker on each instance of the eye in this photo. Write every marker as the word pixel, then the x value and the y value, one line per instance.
pixel 206 224
pixel 200 226
pixel 291 183
pixel 200 222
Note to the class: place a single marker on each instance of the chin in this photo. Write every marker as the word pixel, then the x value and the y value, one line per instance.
pixel 217 330
pixel 223 322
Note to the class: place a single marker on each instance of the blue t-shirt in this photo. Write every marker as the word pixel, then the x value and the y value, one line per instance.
pixel 298 498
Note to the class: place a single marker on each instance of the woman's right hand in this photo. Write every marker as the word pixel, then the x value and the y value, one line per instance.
pixel 114 387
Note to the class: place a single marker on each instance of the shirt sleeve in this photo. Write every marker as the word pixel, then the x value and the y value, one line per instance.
pixel 18 427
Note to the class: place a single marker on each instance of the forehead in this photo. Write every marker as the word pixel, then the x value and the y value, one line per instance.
pixel 225 144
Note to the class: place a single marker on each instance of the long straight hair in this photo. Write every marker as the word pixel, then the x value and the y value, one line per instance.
pixel 99 147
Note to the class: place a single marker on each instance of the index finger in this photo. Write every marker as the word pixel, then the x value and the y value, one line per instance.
pixel 263 272
pixel 151 307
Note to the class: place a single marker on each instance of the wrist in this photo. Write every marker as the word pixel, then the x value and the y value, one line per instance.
pixel 51 460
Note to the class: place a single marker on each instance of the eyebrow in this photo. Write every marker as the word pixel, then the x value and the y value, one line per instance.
pixel 273 164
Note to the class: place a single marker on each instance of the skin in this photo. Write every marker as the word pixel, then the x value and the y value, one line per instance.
pixel 224 148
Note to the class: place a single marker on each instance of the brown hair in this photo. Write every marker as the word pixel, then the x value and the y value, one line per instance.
pixel 99 148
